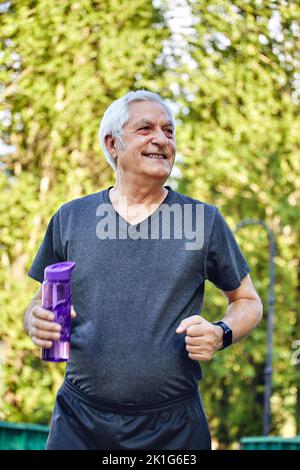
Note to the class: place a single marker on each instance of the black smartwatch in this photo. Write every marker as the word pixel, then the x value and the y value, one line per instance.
pixel 227 333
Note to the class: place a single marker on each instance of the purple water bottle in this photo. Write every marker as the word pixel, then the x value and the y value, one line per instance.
pixel 57 297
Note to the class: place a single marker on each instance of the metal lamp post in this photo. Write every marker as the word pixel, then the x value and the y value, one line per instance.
pixel 271 301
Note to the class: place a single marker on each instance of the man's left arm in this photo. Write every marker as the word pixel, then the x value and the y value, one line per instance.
pixel 244 312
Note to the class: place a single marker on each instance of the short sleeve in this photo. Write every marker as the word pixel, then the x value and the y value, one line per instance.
pixel 50 250
pixel 226 266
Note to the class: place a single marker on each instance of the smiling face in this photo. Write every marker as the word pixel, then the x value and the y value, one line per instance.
pixel 149 144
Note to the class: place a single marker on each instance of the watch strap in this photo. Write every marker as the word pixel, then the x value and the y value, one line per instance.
pixel 227 333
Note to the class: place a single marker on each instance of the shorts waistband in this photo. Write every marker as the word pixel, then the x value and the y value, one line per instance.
pixel 134 409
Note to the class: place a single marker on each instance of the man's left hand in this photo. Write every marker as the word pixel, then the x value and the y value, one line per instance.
pixel 202 339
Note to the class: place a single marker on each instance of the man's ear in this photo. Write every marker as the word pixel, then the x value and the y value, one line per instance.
pixel 110 144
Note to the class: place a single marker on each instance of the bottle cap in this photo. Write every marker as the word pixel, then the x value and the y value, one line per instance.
pixel 59 271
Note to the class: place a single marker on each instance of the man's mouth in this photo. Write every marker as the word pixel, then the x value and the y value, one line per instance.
pixel 155 156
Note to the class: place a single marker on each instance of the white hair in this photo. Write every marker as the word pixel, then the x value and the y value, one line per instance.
pixel 117 114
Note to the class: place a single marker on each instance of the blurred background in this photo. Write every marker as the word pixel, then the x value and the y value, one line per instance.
pixel 231 71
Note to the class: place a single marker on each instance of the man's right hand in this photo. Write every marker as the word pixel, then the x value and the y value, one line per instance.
pixel 42 328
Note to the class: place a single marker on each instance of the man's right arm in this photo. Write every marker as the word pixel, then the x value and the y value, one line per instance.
pixel 39 324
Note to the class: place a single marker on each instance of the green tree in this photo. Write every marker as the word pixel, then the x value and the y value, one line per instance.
pixel 240 142
pixel 62 64
pixel 235 77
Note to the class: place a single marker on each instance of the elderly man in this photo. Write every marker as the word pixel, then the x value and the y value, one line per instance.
pixel 137 336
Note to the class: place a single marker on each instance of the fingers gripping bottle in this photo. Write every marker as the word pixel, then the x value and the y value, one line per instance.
pixel 57 297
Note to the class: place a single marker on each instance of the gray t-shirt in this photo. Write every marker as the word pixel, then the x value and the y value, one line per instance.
pixel 132 286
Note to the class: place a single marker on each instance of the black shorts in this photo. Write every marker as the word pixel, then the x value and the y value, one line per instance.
pixel 82 422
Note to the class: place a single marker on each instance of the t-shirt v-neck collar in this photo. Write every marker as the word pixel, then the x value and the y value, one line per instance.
pixel 107 200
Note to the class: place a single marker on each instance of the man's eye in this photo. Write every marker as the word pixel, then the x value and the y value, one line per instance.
pixel 147 128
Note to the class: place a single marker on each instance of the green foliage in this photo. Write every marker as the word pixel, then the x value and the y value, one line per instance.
pixel 62 63
pixel 240 139
pixel 235 80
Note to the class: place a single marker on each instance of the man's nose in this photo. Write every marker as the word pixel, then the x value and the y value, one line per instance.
pixel 160 137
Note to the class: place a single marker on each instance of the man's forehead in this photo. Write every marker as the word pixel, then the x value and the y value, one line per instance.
pixel 141 114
